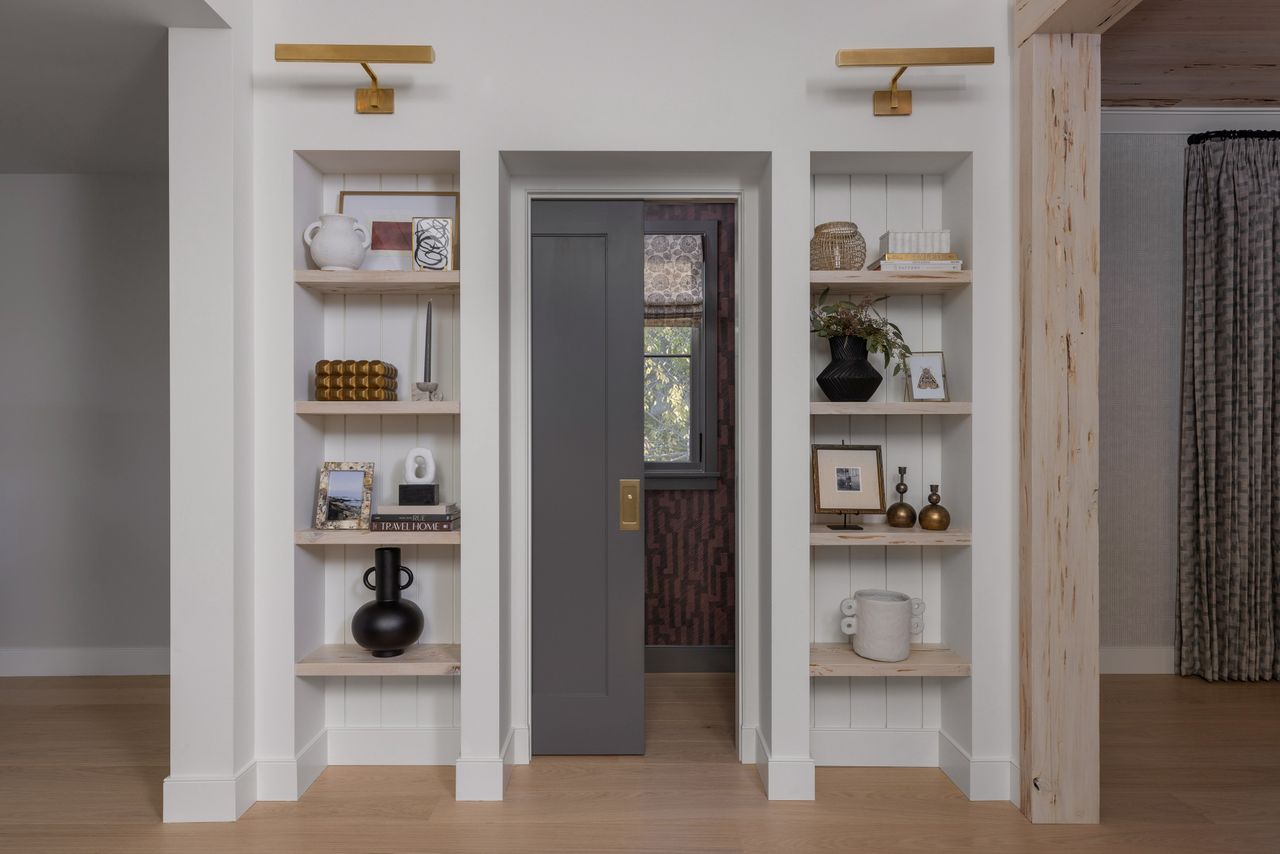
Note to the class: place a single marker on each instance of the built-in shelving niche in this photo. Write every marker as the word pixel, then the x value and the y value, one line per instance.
pixel 861 716
pixel 376 315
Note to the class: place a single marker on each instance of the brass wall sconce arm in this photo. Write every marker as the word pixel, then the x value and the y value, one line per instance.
pixel 895 101
pixel 374 99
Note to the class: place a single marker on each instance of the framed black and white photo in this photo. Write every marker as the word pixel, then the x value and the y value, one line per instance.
pixel 432 243
pixel 848 479
pixel 344 499
pixel 927 378
pixel 389 216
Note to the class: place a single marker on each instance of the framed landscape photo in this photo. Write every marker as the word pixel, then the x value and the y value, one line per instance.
pixel 389 216
pixel 848 479
pixel 432 243
pixel 344 499
pixel 927 378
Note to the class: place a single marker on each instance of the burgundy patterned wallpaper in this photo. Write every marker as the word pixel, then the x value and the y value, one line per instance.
pixel 690 534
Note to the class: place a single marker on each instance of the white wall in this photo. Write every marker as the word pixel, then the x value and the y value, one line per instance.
pixel 84 501
pixel 719 75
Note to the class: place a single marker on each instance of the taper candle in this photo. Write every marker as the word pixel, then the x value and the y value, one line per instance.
pixel 426 358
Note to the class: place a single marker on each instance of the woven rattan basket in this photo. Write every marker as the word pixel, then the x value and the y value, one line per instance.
pixel 837 246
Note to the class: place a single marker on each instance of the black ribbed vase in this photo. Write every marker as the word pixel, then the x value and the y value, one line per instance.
pixel 388 625
pixel 849 377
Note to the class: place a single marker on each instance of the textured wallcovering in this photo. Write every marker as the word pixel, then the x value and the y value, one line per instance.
pixel 1141 330
pixel 690 534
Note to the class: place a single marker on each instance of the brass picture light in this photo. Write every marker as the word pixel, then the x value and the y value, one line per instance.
pixel 895 101
pixel 373 99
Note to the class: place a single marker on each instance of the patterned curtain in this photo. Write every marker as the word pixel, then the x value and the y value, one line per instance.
pixel 674 277
pixel 1229 503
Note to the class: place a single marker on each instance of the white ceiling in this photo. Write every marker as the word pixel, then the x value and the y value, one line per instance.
pixel 84 83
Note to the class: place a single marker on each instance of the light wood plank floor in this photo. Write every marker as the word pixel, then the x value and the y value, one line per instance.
pixel 1187 766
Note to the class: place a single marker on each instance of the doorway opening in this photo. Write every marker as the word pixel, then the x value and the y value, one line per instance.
pixel 632 368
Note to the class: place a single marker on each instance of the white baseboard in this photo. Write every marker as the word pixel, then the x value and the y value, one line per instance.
pixel 481 779
pixel 747 745
pixel 789 778
pixel 521 748
pixel 891 748
pixel 979 779
pixel 287 779
pixel 1136 659
pixel 200 799
pixel 393 745
pixel 84 661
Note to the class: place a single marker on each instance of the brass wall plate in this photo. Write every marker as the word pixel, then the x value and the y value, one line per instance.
pixel 882 102
pixel 373 101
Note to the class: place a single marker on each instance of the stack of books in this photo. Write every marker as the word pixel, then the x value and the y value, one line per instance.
pixel 355 379
pixel 415 518
pixel 916 252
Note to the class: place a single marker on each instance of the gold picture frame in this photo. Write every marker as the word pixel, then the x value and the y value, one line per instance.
pixel 839 476
pixel 924 372
pixel 397 208
pixel 344 496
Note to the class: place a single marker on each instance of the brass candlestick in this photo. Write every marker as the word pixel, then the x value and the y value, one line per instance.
pixel 901 514
pixel 934 517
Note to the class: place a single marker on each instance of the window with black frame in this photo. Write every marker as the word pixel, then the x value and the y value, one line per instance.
pixel 680 273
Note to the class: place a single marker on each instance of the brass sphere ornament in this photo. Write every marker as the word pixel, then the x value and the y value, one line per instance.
pixel 901 514
pixel 934 517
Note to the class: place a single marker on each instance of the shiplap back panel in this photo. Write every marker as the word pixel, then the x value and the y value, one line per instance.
pixel 391 328
pixel 877 203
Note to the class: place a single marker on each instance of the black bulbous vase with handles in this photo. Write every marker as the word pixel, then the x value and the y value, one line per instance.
pixel 388 625
pixel 849 377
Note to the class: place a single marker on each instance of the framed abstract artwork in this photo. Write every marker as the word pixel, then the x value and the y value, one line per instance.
pixel 389 216
pixel 432 243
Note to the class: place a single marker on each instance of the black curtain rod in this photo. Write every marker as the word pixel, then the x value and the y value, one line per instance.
pixel 1211 136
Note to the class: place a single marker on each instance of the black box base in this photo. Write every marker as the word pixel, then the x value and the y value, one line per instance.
pixel 419 494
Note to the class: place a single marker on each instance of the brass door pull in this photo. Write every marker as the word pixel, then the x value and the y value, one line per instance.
pixel 628 505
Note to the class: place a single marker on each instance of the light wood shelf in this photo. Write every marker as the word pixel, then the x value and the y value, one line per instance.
pixel 954 407
pixel 424 659
pixel 874 283
pixel 880 534
pixel 839 659
pixel 378 282
pixel 324 537
pixel 377 407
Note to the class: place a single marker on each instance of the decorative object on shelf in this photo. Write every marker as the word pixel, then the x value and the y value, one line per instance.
pixel 389 216
pixel 337 242
pixel 897 102
pixel 433 243
pixel 901 514
pixel 427 390
pixel 419 485
pixel 880 623
pixel 847 479
pixel 837 246
pixel 933 516
pixel 352 379
pixel 927 378
pixel 344 499
pixel 854 330
pixel 917 252
pixel 389 624
pixel 408 518
pixel 375 99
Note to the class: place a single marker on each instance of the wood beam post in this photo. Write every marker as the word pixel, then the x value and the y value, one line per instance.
pixel 1060 143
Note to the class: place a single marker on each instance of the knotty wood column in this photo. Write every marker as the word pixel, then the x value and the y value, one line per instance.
pixel 1060 142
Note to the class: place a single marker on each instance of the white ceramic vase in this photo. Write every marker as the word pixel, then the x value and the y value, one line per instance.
pixel 881 623
pixel 337 242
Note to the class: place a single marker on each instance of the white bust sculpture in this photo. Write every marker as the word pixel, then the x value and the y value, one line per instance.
pixel 420 466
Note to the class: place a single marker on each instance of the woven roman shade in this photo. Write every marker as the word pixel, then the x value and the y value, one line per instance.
pixel 674 279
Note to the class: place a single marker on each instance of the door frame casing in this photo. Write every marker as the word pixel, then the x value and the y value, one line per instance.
pixel 521 190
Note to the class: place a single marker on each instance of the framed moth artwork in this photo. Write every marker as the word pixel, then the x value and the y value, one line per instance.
pixel 848 479
pixel 389 215
pixel 432 243
pixel 344 499
pixel 927 378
